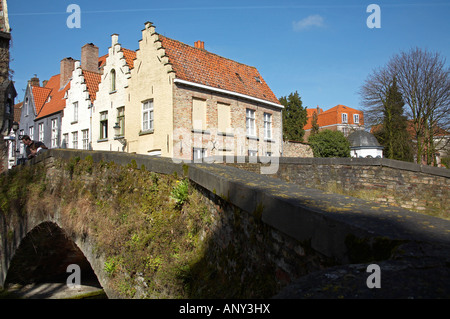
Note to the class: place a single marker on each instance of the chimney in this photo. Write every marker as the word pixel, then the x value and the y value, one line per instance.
pixel 44 83
pixel 34 81
pixel 318 110
pixel 67 66
pixel 200 45
pixel 89 57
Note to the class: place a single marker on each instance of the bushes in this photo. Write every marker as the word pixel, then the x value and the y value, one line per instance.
pixel 329 144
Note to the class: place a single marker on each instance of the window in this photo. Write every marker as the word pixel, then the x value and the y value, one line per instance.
pixel 103 125
pixel 356 118
pixel 54 141
pixel 41 131
pixel 223 117
pixel 121 120
pixel 267 125
pixel 250 122
pixel 27 111
pixel 252 153
pixel 147 116
pixel 344 117
pixel 113 80
pixel 198 154
pixel 75 140
pixel 75 112
pixel 65 141
pixel 22 146
pixel 31 132
pixel 198 114
pixel 85 139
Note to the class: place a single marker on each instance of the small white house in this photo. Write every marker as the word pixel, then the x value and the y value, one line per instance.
pixel 364 144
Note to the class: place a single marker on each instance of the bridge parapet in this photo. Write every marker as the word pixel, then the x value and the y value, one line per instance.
pixel 341 229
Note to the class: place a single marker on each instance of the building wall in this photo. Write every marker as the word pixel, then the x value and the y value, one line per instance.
pixel 110 100
pixel 82 121
pixel 151 80
pixel 214 139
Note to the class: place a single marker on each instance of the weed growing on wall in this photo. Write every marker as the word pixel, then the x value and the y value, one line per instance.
pixel 150 226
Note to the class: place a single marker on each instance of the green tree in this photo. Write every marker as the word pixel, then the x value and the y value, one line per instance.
pixel 314 124
pixel 329 144
pixel 294 117
pixel 393 134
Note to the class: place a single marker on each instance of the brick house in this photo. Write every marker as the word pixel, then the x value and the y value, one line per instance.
pixel 187 103
pixel 339 118
pixel 109 105
pixel 76 125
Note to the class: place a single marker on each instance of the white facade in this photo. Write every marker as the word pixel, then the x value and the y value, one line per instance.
pixel 109 106
pixel 366 152
pixel 76 128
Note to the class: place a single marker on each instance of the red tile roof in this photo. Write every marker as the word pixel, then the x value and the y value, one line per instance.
pixel 202 67
pixel 57 98
pixel 40 96
pixel 129 55
pixel 102 61
pixel 18 111
pixel 333 116
pixel 92 80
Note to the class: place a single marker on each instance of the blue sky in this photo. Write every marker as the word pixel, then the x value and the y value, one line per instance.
pixel 322 49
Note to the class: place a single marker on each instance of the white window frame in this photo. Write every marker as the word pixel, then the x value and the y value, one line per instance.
pixel 75 112
pixel 147 116
pixel 54 136
pixel 252 153
pixel 344 118
pixel 75 140
pixel 356 118
pixel 31 132
pixel 85 139
pixel 104 125
pixel 65 140
pixel 198 154
pixel 267 126
pixel 41 132
pixel 250 122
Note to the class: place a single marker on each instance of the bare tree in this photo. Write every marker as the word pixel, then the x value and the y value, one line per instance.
pixel 423 80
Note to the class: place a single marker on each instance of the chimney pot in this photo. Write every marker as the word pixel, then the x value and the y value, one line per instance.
pixel 200 45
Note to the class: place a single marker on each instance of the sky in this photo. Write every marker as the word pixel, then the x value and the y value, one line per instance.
pixel 322 49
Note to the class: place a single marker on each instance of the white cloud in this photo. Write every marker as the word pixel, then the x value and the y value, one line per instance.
pixel 308 22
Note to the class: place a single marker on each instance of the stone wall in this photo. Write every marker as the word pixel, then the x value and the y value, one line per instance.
pixel 296 149
pixel 418 187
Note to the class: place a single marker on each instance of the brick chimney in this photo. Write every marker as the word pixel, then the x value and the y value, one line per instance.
pixel 200 45
pixel 89 58
pixel 34 81
pixel 67 67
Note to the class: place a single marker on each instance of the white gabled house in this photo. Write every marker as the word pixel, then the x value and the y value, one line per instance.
pixel 77 120
pixel 108 115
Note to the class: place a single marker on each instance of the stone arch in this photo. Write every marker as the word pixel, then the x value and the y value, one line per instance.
pixel 44 254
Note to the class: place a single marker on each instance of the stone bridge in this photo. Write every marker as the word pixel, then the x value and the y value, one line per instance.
pixel 235 234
